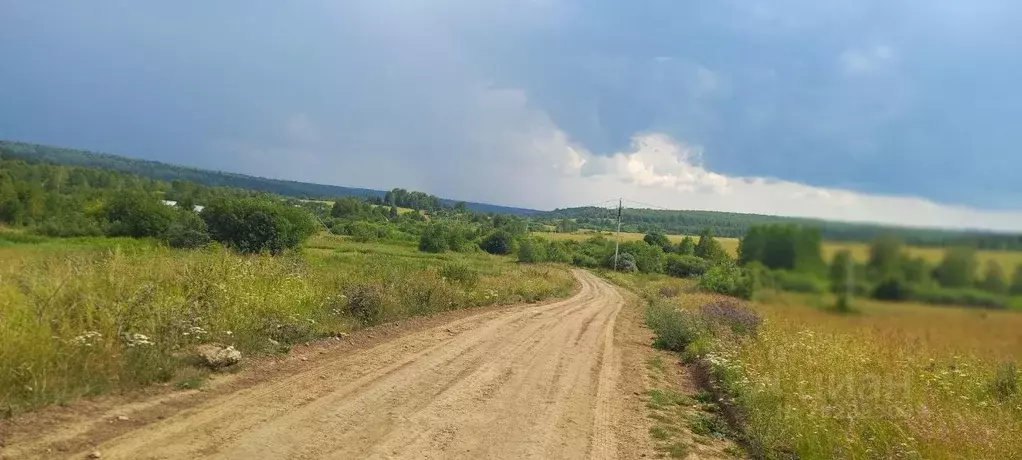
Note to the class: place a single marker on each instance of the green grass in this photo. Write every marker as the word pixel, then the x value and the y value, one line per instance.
pixel 87 316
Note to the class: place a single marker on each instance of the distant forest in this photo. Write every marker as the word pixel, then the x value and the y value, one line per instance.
pixel 169 172
pixel 724 224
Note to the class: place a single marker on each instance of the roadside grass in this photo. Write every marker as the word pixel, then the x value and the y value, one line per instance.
pixel 893 381
pixel 86 316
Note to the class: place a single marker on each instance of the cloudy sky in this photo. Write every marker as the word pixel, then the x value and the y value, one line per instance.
pixel 896 111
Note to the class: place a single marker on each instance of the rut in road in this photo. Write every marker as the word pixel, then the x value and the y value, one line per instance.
pixel 530 382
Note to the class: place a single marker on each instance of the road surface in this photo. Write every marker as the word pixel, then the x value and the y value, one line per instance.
pixel 537 381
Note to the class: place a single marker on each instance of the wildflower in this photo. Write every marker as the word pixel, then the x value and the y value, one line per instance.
pixel 136 340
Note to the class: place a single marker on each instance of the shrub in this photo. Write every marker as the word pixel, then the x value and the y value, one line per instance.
pixel 254 225
pixel 585 261
pixel 683 266
pixel 625 262
pixel 557 251
pixel 70 225
pixel 728 278
pixel 499 242
pixel 892 288
pixel 365 303
pixel 1005 383
pixel 460 273
pixel 433 239
pixel 965 297
pixel 797 282
pixel 648 258
pixel 138 215
pixel 674 329
pixel 188 230
pixel 531 250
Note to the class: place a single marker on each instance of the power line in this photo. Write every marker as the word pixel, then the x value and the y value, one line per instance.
pixel 650 205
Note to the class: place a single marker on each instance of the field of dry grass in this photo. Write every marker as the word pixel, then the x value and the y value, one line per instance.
pixel 887 381
pixel 1008 260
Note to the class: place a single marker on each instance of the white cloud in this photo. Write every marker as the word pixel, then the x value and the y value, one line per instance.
pixel 866 61
pixel 549 170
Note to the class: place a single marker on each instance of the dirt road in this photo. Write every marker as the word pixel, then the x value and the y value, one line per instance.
pixel 528 382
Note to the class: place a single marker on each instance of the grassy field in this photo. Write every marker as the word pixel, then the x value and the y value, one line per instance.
pixel 1008 260
pixel 85 316
pixel 888 381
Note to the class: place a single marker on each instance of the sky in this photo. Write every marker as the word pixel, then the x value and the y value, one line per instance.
pixel 891 111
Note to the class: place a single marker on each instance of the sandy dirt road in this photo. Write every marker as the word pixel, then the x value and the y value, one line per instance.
pixel 537 381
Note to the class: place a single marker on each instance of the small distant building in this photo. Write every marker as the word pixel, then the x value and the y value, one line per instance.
pixel 195 208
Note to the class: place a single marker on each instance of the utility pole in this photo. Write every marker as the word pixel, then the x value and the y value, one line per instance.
pixel 617 240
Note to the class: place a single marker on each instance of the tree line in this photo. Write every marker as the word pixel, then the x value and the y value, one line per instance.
pixel 789 257
pixel 736 225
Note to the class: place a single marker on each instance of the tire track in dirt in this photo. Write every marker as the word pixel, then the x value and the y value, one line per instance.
pixel 538 381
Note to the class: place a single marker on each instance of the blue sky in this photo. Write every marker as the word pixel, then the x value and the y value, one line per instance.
pixel 889 111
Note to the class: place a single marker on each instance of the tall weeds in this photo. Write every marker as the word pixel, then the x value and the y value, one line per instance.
pixel 85 319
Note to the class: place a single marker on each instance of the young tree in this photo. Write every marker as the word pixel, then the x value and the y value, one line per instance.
pixel 958 269
pixel 687 246
pixel 531 250
pixel 994 279
pixel 884 258
pixel 839 278
pixel 708 246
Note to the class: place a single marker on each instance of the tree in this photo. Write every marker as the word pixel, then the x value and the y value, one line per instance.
pixel 346 207
pixel 393 213
pixel 433 239
pixel 884 257
pixel 994 279
pixel 499 242
pixel 255 224
pixel 1016 281
pixel 958 269
pixel 687 246
pixel 840 267
pixel 708 246
pixel 138 215
pixel 658 239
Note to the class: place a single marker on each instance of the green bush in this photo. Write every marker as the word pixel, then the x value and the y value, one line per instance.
pixel 674 329
pixel 584 261
pixel 728 278
pixel 365 303
pixel 625 262
pixel 797 282
pixel 433 239
pixel 963 297
pixel 683 266
pixel 557 251
pixel 499 242
pixel 138 215
pixel 254 225
pixel 460 273
pixel 531 250
pixel 71 225
pixel 188 230
pixel 892 288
